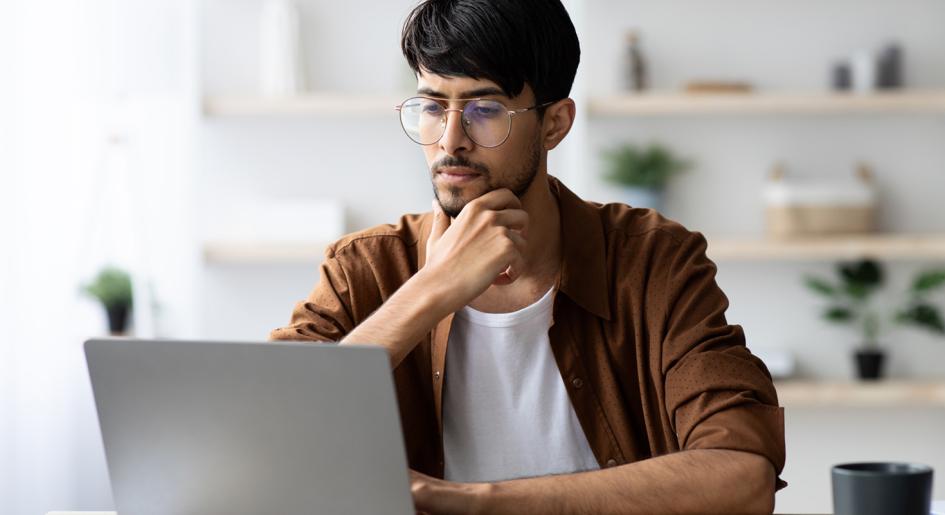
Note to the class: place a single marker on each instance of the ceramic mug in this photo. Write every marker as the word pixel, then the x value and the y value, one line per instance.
pixel 882 489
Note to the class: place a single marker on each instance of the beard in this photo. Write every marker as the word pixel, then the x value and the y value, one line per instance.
pixel 452 201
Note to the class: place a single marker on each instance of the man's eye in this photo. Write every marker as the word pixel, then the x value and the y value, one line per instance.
pixel 432 109
pixel 486 111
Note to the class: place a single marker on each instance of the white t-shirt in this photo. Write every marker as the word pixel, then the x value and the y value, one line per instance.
pixel 506 412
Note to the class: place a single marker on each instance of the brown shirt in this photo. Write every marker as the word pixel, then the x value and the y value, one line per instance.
pixel 649 361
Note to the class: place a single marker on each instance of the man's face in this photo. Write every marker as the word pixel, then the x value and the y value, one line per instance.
pixel 460 169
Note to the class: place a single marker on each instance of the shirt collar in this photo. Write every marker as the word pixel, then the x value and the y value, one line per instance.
pixel 583 257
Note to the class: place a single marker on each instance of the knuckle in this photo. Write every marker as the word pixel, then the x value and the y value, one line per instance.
pixel 474 204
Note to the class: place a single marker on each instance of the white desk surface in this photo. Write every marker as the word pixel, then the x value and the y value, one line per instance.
pixel 938 508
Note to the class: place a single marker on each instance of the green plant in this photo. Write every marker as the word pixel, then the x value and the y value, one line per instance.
pixel 859 281
pixel 644 167
pixel 112 287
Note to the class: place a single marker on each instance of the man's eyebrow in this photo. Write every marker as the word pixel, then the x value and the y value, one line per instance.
pixel 481 92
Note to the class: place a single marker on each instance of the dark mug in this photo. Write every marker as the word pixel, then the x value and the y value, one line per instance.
pixel 882 489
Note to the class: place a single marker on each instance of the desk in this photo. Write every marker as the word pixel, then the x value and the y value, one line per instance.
pixel 938 508
pixel 114 513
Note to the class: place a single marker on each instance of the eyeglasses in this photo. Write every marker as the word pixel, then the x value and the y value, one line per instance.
pixel 488 123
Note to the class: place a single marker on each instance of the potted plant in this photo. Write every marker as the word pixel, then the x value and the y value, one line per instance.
pixel 112 287
pixel 851 303
pixel 642 172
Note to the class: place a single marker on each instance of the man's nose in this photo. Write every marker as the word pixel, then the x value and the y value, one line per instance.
pixel 454 137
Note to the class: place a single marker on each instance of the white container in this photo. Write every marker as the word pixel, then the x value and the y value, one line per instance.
pixel 280 63
pixel 781 363
pixel 818 207
pixel 288 221
pixel 863 72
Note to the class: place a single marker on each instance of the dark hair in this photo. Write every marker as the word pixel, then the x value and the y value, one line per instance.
pixel 510 42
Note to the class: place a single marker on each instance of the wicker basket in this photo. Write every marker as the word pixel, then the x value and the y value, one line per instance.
pixel 820 208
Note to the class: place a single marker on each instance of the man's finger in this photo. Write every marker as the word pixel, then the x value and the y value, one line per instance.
pixel 513 219
pixel 511 273
pixel 517 266
pixel 441 222
pixel 520 243
pixel 496 200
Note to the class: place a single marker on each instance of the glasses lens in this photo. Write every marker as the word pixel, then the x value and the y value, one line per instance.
pixel 422 119
pixel 487 122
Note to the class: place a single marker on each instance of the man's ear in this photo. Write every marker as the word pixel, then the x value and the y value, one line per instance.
pixel 557 122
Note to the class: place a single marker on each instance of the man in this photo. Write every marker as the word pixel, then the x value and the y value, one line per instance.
pixel 550 355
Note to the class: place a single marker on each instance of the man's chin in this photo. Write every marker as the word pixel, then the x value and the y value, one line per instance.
pixel 452 208
pixel 453 199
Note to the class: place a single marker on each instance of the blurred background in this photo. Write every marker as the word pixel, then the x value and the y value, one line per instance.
pixel 175 168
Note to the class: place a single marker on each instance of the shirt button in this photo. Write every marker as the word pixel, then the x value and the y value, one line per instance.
pixel 611 462
pixel 436 375
pixel 577 382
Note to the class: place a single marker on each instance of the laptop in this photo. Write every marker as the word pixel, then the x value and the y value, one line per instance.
pixel 208 428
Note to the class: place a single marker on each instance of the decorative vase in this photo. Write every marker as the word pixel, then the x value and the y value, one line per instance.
pixel 118 319
pixel 869 364
pixel 651 198
pixel 280 48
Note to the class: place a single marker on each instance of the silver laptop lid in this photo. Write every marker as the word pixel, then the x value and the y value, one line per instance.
pixel 205 428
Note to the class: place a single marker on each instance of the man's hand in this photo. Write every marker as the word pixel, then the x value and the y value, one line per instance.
pixel 695 481
pixel 485 245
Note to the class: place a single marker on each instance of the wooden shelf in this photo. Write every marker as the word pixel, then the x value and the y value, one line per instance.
pixel 896 247
pixel 656 103
pixel 309 104
pixel 263 253
pixel 893 247
pixel 885 393
pixel 668 103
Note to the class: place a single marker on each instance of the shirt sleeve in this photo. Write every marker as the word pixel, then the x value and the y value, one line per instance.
pixel 718 395
pixel 325 315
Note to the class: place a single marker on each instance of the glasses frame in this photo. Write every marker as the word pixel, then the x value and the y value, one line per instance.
pixel 461 110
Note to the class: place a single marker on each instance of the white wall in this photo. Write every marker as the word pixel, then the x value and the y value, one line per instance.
pixel 365 161
pixel 80 78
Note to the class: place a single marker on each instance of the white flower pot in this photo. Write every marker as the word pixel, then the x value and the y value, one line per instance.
pixel 650 198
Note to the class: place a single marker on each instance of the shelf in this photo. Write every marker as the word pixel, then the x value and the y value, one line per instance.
pixel 309 104
pixel 894 247
pixel 263 253
pixel 668 103
pixel 657 103
pixel 885 393
pixel 897 247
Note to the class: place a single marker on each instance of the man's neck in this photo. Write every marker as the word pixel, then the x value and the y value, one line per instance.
pixel 544 226
pixel 542 256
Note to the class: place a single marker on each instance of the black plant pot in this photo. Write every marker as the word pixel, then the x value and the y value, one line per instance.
pixel 869 364
pixel 118 318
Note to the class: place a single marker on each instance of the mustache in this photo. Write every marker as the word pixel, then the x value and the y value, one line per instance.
pixel 458 161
